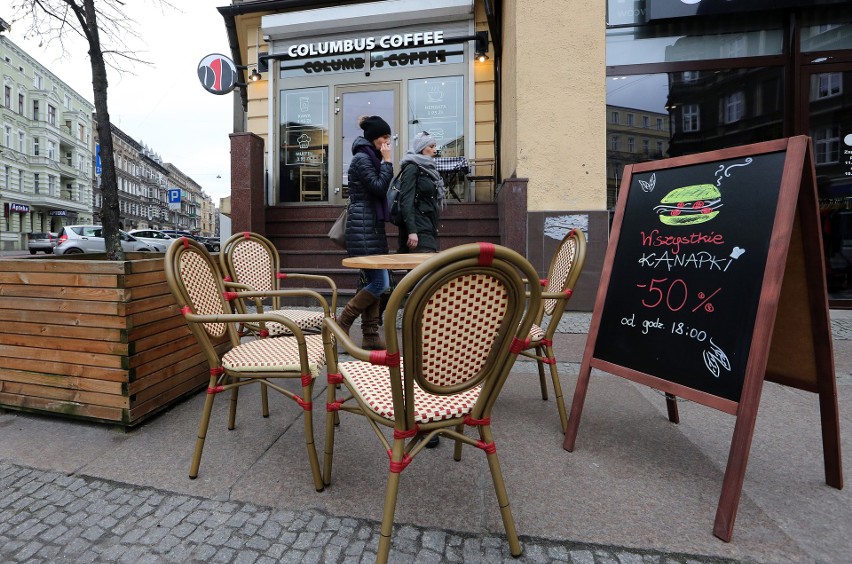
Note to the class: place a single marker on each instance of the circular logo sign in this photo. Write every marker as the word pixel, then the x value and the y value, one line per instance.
pixel 217 74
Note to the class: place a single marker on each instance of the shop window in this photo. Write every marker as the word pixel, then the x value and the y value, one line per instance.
pixel 826 144
pixel 826 85
pixel 733 106
pixel 436 105
pixel 304 145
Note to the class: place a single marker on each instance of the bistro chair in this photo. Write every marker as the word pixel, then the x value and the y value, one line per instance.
pixel 200 293
pixel 465 309
pixel 565 268
pixel 251 262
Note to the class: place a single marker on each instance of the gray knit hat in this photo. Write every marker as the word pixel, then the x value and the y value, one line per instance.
pixel 421 141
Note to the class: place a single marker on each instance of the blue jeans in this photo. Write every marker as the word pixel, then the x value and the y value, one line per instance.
pixel 378 281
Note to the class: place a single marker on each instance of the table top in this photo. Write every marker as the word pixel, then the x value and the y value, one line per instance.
pixel 397 261
pixel 451 164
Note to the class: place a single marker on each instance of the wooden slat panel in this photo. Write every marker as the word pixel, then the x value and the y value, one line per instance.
pixel 65 369
pixel 148 291
pixel 65 292
pixel 67 331
pixel 143 331
pixel 147 304
pixel 181 345
pixel 69 306
pixel 70 382
pixel 64 266
pixel 198 374
pixel 30 403
pixel 145 317
pixel 73 357
pixel 159 338
pixel 141 410
pixel 53 318
pixel 64 394
pixel 63 344
pixel 143 279
pixel 51 279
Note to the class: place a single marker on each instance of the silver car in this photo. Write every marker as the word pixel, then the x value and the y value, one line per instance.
pixel 153 237
pixel 75 239
pixel 44 242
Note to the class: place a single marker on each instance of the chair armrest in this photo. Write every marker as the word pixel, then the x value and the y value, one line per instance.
pixel 318 278
pixel 248 318
pixel 331 325
pixel 289 293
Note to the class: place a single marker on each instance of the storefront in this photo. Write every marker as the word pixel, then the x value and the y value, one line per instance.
pixel 691 76
pixel 412 63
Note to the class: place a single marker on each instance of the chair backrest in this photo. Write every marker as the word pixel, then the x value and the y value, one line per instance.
pixel 464 311
pixel 251 259
pixel 565 269
pixel 195 283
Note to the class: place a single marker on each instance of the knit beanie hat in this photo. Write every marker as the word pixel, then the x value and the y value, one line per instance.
pixel 374 127
pixel 421 141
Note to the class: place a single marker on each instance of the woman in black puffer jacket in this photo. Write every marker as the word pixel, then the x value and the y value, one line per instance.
pixel 370 174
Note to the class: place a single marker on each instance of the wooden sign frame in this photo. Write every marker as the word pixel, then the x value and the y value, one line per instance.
pixel 791 340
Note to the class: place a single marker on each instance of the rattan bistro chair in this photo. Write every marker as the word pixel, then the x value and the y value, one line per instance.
pixel 464 311
pixel 200 292
pixel 251 262
pixel 565 268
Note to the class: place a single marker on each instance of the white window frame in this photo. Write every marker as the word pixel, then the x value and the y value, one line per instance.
pixel 691 116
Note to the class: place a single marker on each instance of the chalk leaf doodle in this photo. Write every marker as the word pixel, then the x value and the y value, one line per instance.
pixel 649 185
pixel 725 172
pixel 715 359
pixel 690 205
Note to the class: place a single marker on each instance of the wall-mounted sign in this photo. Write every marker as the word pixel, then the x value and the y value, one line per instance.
pixel 342 46
pixel 58 213
pixel 217 73
pixel 19 208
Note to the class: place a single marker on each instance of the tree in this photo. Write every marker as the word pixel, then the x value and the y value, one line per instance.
pixel 62 20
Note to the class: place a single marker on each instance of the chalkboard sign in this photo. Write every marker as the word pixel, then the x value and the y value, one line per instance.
pixel 713 282
pixel 687 273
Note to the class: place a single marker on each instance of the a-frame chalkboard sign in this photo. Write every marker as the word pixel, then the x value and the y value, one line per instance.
pixel 714 280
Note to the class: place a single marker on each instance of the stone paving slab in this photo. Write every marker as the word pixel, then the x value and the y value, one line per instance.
pixel 47 516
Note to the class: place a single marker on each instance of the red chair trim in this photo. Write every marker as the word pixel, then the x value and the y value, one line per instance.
pixel 486 253
pixel 215 390
pixel 383 358
pixel 230 296
pixel 185 242
pixel 263 333
pixel 334 406
pixel 217 371
pixel 246 235
pixel 544 281
pixel 280 275
pixel 550 360
pixel 397 467
pixel 185 309
pixel 489 448
pixel 471 422
pixel 518 345
pixel 227 279
pixel 406 434
pixel 306 405
pixel 335 378
pixel 568 292
pixel 546 342
pixel 307 379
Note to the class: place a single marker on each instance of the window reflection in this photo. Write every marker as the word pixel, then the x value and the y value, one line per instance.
pixel 304 145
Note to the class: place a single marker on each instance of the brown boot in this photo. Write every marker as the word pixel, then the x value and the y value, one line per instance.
pixel 354 308
pixel 370 328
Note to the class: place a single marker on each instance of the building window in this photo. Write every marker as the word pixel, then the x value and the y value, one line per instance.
pixel 630 120
pixel 734 107
pixel 21 104
pixel 51 182
pixel 691 118
pixel 659 124
pixel 826 85
pixel 35 146
pixel 7 139
pixel 613 142
pixel 36 183
pixel 38 81
pixel 51 115
pixel 6 179
pixel 35 110
pixel 660 148
pixel 631 145
pixel 689 76
pixel 646 146
pixel 646 121
pixel 614 117
pixel 7 96
pixel 826 145
pixel 22 144
pixel 68 102
pixel 81 132
pixel 51 150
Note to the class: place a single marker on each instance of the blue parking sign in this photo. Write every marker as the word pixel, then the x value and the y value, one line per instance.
pixel 98 168
pixel 174 196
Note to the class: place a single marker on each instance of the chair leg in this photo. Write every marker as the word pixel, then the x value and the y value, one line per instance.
pixel 458 450
pixel 390 505
pixel 331 420
pixel 202 434
pixel 502 496
pixel 307 394
pixel 557 391
pixel 264 399
pixel 232 414
pixel 539 350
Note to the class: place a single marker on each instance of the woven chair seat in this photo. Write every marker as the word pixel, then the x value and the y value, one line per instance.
pixel 303 318
pixel 278 355
pixel 372 384
pixel 536 335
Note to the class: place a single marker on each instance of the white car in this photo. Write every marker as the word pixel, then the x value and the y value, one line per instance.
pixel 76 239
pixel 157 239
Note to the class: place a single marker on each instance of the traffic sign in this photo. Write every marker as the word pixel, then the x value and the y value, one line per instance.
pixel 98 168
pixel 174 199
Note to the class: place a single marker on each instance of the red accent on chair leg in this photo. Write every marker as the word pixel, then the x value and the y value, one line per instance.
pixel 230 296
pixel 215 390
pixel 489 448
pixel 306 405
pixel 218 371
pixel 185 309
pixel 306 380
pixel 334 406
pixel 397 467
pixel 383 358
pixel 227 279
pixel 519 345
pixel 280 275
pixel 568 292
pixel 546 342
pixel 551 360
pixel 486 253
pixel 335 378
pixel 471 422
pixel 406 434
pixel 544 282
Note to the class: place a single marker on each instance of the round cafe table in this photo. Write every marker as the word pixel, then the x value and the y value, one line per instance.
pixel 396 261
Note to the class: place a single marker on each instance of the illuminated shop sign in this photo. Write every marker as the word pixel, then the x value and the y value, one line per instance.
pixel 343 46
pixel 19 208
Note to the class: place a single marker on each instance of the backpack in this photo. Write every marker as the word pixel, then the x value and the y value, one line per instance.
pixel 394 214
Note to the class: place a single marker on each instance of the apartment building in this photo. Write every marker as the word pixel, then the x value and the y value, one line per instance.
pixel 45 150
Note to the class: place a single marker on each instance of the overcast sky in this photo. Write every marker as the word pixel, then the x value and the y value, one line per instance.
pixel 164 105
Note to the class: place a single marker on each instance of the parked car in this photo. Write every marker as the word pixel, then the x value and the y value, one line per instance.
pixel 154 237
pixel 44 242
pixel 210 243
pixel 75 239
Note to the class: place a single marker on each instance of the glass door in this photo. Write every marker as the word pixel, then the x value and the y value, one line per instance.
pixel 351 102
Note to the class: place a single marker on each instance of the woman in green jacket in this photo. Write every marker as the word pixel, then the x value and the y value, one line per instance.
pixel 421 196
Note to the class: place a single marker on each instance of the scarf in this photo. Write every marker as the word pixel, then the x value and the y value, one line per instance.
pixel 381 204
pixel 428 165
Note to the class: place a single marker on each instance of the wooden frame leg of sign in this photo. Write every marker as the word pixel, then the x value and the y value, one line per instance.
pixel 784 323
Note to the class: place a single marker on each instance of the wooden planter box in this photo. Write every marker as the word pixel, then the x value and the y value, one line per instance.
pixel 88 338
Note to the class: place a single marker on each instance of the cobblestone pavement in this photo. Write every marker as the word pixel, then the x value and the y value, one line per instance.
pixel 50 517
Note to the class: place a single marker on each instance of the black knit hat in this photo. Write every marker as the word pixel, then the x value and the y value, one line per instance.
pixel 374 127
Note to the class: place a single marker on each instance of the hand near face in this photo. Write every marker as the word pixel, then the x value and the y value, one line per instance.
pixel 386 152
